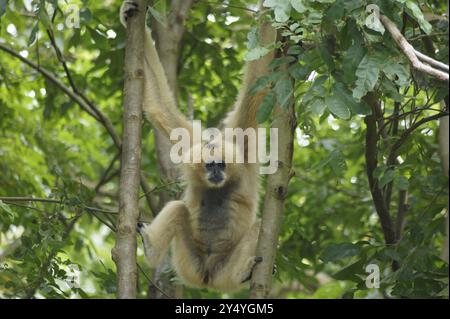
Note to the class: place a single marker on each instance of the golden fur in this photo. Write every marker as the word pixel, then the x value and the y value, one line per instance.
pixel 214 228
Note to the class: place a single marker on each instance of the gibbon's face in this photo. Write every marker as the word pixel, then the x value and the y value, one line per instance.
pixel 214 171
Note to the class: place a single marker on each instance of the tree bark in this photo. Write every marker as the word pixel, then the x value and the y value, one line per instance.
pixel 276 190
pixel 371 156
pixel 444 152
pixel 124 252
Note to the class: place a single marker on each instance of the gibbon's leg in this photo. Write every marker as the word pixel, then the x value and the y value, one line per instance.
pixel 159 104
pixel 240 264
pixel 156 237
pixel 185 256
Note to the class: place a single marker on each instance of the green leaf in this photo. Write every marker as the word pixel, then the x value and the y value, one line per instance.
pixel 281 8
pixel 281 61
pixel 326 56
pixel 341 102
pixel 253 38
pixel 85 15
pixel 298 5
pixel 402 183
pixel 256 53
pixel 299 72
pixel 294 50
pixel 284 91
pixel 443 293
pixel 259 85
pixel 33 34
pixel 266 107
pixel 351 271
pixel 387 177
pixel 388 88
pixel 7 209
pixel 3 4
pixel 334 12
pixel 367 74
pixel 337 106
pixel 396 71
pixel 360 108
pixel 374 23
pixel 350 62
pixel 340 251
pixel 318 106
pixel 414 10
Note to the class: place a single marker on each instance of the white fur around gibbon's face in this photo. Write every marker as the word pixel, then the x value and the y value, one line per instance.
pixel 216 168
pixel 213 230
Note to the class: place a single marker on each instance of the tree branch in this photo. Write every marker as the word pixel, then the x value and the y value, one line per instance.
pixel 431 61
pixel 56 201
pixel 52 78
pixel 87 107
pixel 410 52
pixel 371 164
pixel 404 136
pixel 101 117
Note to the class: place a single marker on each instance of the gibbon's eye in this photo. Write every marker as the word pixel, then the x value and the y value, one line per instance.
pixel 210 165
pixel 221 165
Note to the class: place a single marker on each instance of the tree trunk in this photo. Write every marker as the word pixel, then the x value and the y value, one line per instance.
pixel 444 152
pixel 276 190
pixel 124 252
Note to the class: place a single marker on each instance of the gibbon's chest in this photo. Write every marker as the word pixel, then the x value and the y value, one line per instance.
pixel 214 214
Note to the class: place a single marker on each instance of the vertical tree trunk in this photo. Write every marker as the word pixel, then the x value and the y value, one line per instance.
pixel 124 252
pixel 276 190
pixel 444 152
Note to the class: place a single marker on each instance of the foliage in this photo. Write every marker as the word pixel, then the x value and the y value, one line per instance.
pixel 334 54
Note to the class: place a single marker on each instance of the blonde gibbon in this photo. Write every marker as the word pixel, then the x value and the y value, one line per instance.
pixel 213 230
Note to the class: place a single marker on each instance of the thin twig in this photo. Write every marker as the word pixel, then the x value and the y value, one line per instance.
pixel 52 78
pixel 404 136
pixel 153 284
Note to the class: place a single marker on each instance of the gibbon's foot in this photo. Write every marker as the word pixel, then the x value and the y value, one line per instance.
pixel 258 260
pixel 127 10
pixel 252 262
pixel 152 253
pixel 139 228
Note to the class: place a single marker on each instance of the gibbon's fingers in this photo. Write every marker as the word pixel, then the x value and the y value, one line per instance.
pixel 244 111
pixel 159 103
pixel 127 10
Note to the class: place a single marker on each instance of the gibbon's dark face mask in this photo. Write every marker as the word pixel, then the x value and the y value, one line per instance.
pixel 215 172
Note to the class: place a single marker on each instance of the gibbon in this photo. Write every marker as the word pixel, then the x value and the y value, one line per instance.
pixel 214 229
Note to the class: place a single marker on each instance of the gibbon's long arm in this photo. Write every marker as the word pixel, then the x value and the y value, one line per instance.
pixel 244 111
pixel 159 103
